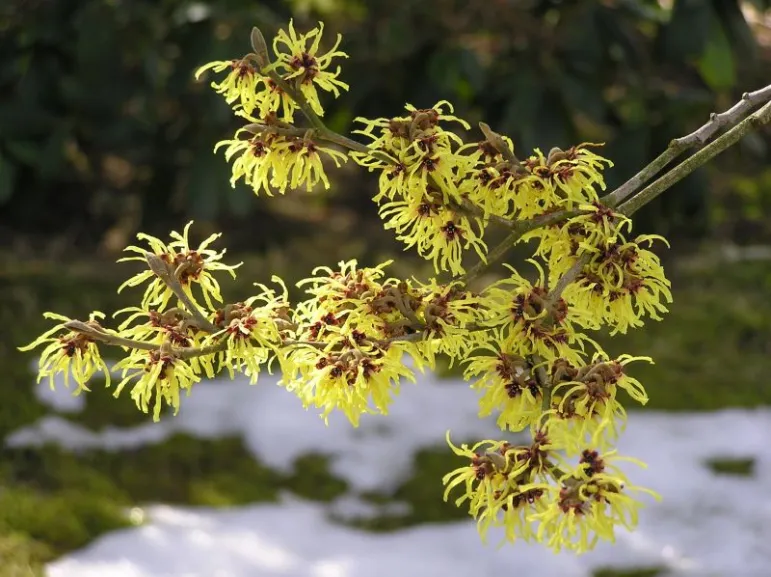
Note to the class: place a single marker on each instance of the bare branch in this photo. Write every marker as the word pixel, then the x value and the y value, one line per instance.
pixel 162 271
pixel 726 119
pixel 497 141
pixel 107 338
pixel 569 276
pixel 759 118
pixel 698 138
pixel 519 229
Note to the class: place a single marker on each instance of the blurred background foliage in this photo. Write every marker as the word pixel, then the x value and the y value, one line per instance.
pixel 103 130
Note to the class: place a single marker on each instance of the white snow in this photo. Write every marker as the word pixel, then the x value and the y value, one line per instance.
pixel 706 525
pixel 58 398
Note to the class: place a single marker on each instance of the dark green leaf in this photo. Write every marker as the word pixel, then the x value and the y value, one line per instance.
pixel 629 151
pixel 688 31
pixel 7 178
pixel 24 152
pixel 737 29
pixel 716 64
pixel 208 185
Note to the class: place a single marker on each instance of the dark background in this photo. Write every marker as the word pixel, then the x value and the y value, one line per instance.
pixel 103 130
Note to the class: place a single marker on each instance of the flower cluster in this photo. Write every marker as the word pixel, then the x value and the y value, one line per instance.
pixel 529 320
pixel 622 281
pixel 420 169
pixel 356 328
pixel 269 161
pixel 511 487
pixel 504 186
pixel 188 266
pixel 172 340
pixel 73 353
pixel 525 340
pixel 249 85
pixel 268 154
pixel 345 359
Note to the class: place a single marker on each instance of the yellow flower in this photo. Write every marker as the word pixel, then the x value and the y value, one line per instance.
pixel 267 161
pixel 502 188
pixel 159 376
pixel 190 266
pixel 173 325
pixel 584 405
pixel 347 294
pixel 241 85
pixel 356 329
pixel 438 234
pixel 299 60
pixel 72 353
pixel 591 232
pixel 508 385
pixel 421 172
pixel 251 332
pixel 622 284
pixel 491 189
pixel 272 101
pixel 505 486
pixel 592 501
pixel 452 318
pixel 414 152
pixel 258 157
pixel 532 323
pixel 351 374
pixel 574 172
pixel 251 339
pixel 419 132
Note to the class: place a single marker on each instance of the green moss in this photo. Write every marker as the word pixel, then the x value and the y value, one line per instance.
pixel 56 501
pixel 311 479
pixel 634 572
pixel 57 522
pixel 181 470
pixel 423 492
pixel 21 555
pixel 102 409
pixel 18 404
pixel 711 350
pixel 728 466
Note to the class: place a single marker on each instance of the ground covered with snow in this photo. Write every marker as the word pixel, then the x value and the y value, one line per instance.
pixel 711 521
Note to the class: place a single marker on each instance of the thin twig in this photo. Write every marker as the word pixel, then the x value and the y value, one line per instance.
pixel 570 275
pixel 520 228
pixel 497 142
pixel 543 381
pixel 759 118
pixel 107 338
pixel 322 132
pixel 191 352
pixel 321 129
pixel 162 271
pixel 697 138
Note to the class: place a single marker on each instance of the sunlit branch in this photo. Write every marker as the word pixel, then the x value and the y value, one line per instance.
pixel 570 275
pixel 163 272
pixel 699 158
pixel 107 338
pixel 697 138
pixel 521 228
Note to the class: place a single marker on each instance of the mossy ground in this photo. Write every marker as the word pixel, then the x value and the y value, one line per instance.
pixel 711 352
pixel 727 466
pixel 637 572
